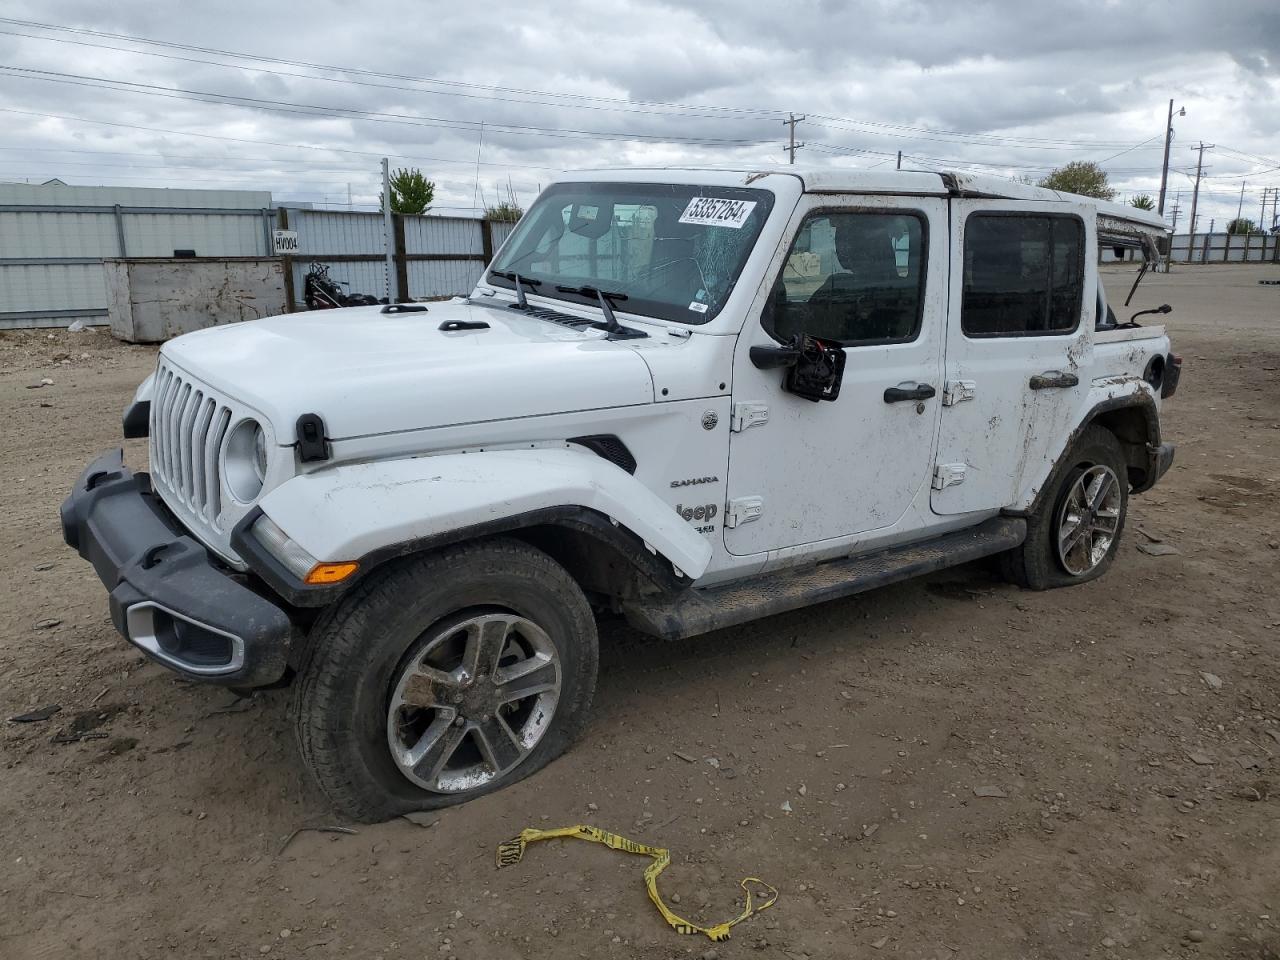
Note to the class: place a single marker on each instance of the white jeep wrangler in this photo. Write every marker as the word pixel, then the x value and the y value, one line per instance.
pixel 691 398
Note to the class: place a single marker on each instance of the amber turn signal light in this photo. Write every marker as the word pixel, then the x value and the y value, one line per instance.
pixel 326 573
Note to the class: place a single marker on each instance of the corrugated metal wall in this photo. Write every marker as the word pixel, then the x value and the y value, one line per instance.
pixel 1225 248
pixel 53 239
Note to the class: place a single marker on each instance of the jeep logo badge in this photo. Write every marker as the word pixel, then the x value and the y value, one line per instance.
pixel 706 511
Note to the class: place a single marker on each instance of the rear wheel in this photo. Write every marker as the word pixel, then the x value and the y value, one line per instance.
pixel 444 678
pixel 1074 535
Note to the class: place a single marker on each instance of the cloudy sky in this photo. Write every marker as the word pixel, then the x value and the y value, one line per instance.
pixel 302 99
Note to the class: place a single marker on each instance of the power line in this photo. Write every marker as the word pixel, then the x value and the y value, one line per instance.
pixel 351 113
pixel 494 94
pixel 750 112
pixel 989 139
pixel 267 143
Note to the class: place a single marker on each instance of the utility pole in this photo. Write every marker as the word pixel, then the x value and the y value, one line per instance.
pixel 1195 194
pixel 387 229
pixel 1164 171
pixel 899 159
pixel 1175 210
pixel 792 146
pixel 1240 205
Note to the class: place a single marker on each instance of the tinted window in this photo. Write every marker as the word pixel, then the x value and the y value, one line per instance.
pixel 1023 275
pixel 852 277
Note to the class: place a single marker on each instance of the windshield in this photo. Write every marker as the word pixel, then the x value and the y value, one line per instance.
pixel 674 251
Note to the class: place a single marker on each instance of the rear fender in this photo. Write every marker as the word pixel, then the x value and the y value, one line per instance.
pixel 1126 407
pixel 370 512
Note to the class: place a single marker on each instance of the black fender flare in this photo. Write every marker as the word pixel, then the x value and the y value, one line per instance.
pixel 578 520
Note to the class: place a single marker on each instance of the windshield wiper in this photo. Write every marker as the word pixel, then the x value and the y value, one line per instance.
pixel 521 303
pixel 611 325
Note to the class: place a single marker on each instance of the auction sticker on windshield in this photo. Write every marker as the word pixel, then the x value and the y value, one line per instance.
pixel 717 212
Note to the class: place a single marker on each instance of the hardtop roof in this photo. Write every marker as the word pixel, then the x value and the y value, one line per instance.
pixel 900 182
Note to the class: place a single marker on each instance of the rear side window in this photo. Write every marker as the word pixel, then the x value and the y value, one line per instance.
pixel 1023 275
pixel 853 277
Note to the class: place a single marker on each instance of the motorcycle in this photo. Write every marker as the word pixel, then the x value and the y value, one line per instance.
pixel 322 292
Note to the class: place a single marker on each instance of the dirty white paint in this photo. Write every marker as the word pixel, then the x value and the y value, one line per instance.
pixel 370 505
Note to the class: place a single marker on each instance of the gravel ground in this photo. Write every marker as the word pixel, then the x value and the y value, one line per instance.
pixel 1130 729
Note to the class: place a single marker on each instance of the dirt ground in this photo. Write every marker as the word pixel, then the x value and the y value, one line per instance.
pixel 1131 728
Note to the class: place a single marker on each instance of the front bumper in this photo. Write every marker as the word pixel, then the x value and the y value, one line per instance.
pixel 167 596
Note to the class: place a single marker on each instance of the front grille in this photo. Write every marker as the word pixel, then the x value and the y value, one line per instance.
pixel 188 425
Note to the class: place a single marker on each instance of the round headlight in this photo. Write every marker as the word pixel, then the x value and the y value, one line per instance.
pixel 245 464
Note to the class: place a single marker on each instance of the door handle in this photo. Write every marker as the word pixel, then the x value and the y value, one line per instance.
pixel 920 391
pixel 1053 379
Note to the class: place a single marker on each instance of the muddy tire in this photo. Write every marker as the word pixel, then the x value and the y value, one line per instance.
pixel 1074 535
pixel 445 677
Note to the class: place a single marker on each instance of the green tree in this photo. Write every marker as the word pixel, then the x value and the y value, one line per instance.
pixel 1241 225
pixel 411 192
pixel 504 212
pixel 1143 201
pixel 1083 177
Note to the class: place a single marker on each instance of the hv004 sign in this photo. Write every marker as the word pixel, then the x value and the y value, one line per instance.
pixel 285 242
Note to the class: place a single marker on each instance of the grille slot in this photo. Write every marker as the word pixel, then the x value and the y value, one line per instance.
pixel 188 426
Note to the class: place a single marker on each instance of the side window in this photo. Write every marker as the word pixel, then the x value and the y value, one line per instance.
pixel 1023 275
pixel 853 277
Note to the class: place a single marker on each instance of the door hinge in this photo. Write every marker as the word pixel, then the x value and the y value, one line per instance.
pixel 743 510
pixel 748 415
pixel 958 391
pixel 947 475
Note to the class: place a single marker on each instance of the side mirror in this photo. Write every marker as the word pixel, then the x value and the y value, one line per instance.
pixel 773 358
pixel 1163 308
pixel 814 367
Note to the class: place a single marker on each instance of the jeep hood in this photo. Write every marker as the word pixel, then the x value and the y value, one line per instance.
pixel 368 372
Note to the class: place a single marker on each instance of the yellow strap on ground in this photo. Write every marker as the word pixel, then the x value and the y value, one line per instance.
pixel 512 851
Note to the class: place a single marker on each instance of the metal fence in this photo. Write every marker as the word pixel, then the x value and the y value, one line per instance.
pixel 433 256
pixel 1225 248
pixel 51 255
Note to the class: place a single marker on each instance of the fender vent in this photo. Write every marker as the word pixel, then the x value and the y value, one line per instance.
pixel 611 448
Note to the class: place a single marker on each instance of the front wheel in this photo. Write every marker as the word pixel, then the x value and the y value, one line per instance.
pixel 1074 535
pixel 445 677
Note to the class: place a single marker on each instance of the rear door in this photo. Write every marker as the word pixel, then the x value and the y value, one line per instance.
pixel 1019 346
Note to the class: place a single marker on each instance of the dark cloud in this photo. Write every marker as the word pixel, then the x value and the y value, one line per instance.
pixel 1030 85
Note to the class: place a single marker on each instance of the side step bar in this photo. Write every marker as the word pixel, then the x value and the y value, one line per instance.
pixel 697 611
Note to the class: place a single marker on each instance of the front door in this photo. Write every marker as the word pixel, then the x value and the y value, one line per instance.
pixel 870 272
pixel 1019 347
